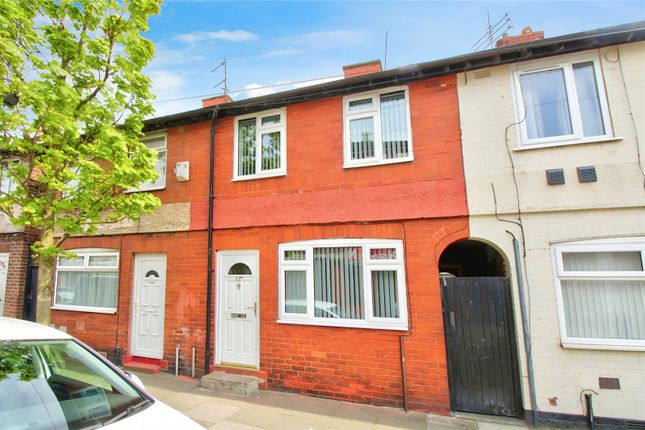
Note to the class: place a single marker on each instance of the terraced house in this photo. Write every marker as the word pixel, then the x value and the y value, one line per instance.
pixel 349 239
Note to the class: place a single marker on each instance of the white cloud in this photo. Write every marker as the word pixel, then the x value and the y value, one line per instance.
pixel 257 90
pixel 165 57
pixel 280 53
pixel 225 35
pixel 324 39
pixel 169 85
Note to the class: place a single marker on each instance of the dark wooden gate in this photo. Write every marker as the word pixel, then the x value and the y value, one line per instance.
pixel 480 342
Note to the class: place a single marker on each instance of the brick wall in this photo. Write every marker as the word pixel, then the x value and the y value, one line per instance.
pixel 360 365
pixel 18 246
pixel 185 311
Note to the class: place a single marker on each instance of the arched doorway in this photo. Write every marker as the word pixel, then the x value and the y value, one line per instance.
pixel 479 327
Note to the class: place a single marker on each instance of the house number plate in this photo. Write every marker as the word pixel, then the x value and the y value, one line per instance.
pixel 238 315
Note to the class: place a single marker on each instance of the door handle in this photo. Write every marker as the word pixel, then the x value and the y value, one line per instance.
pixel 452 319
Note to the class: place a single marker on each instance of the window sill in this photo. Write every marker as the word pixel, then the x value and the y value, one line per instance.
pixel 603 139
pixel 143 190
pixel 603 346
pixel 347 324
pixel 84 309
pixel 378 163
pixel 254 177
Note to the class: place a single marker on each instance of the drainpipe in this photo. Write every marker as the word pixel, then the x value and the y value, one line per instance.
pixel 525 328
pixel 209 271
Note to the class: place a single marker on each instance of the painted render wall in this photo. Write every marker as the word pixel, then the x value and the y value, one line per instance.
pixel 613 206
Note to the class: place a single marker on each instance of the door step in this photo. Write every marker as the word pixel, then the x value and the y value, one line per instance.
pixel 237 384
pixel 143 364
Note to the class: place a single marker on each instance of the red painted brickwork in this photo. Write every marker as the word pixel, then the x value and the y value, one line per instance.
pixel 318 189
pixel 18 245
pixel 185 318
pixel 360 69
pixel 212 101
pixel 360 365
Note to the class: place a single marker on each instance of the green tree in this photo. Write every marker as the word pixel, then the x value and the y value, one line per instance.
pixel 75 99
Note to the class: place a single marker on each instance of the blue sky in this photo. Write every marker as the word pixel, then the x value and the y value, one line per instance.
pixel 271 43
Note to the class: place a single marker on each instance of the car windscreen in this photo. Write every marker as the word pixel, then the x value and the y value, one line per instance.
pixel 58 384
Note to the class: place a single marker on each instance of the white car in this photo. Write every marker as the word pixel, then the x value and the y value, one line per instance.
pixel 49 380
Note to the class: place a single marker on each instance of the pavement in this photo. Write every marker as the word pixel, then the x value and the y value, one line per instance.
pixel 272 410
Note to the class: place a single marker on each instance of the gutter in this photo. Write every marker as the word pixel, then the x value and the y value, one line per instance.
pixel 209 271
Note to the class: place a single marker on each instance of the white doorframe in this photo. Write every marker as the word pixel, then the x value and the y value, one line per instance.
pixel 136 279
pixel 255 268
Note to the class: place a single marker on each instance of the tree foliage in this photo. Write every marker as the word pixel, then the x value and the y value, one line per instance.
pixel 76 67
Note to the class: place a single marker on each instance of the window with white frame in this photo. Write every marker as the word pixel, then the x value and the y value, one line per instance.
pixel 260 145
pixel 561 103
pixel 377 128
pixel 88 282
pixel 343 282
pixel 157 144
pixel 600 289
pixel 8 183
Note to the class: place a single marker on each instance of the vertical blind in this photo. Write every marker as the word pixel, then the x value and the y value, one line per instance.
pixel 394 125
pixel 362 138
pixel 295 293
pixel 246 147
pixel 271 151
pixel 338 280
pixel 384 296
pixel 604 308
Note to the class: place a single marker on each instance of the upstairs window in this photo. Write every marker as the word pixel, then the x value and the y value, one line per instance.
pixel 157 144
pixel 561 103
pixel 600 290
pixel 377 128
pixel 343 282
pixel 8 183
pixel 260 145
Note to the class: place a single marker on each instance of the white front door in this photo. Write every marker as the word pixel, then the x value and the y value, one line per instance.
pixel 149 297
pixel 4 267
pixel 238 339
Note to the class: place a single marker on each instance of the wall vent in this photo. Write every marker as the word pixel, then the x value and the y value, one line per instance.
pixel 609 383
pixel 555 176
pixel 587 174
pixel 479 74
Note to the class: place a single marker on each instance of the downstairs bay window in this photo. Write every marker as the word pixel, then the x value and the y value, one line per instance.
pixel 600 290
pixel 89 282
pixel 343 282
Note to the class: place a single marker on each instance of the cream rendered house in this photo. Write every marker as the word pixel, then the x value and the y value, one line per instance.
pixel 554 155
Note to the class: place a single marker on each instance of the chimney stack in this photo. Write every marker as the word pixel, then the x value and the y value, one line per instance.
pixel 360 69
pixel 216 100
pixel 526 35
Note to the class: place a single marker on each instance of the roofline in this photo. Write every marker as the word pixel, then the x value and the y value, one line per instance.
pixel 559 45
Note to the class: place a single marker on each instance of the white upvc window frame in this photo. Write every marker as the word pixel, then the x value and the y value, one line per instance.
pixel 259 131
pixel 86 253
pixel 560 274
pixel 373 112
pixel 369 265
pixel 566 64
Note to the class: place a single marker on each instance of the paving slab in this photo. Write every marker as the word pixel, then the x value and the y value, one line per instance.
pixel 272 410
